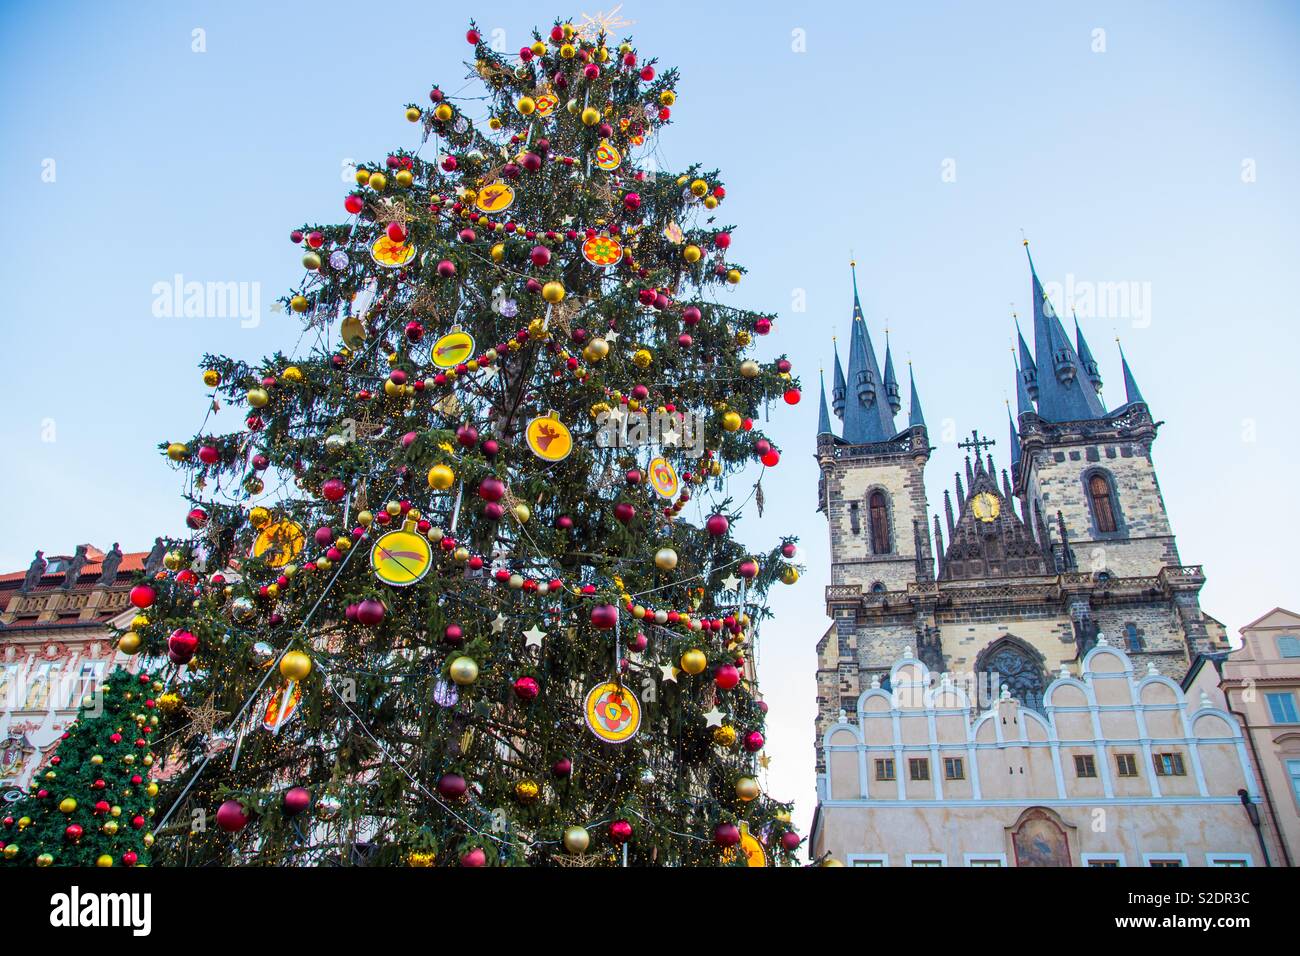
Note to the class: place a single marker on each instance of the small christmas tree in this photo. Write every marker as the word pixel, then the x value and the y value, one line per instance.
pixel 93 802
pixel 464 578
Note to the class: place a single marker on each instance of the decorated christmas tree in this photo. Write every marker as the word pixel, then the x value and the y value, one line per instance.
pixel 92 804
pixel 462 587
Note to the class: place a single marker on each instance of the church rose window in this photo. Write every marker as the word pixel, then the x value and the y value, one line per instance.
pixel 1103 505
pixel 879 523
pixel 1010 666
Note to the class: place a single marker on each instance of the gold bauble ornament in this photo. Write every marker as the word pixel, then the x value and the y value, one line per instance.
pixel 731 421
pixel 668 98
pixel 11 851
pixel 694 661
pixel 749 368
pixel 258 397
pixel 499 252
pixel 111 827
pixel 259 517
pixel 830 861
pixel 665 559
pixel 292 374
pixel 698 187
pixel 170 702
pixel 299 303
pixel 295 666
pixel 733 276
pixel 526 791
pixel 172 560
pixel 177 452
pixel 577 839
pixel 129 643
pixel 789 574
pixel 377 182
pixel 724 736
pixel 463 670
pixel 45 859
pixel 419 858
pixel 67 805
pixel 526 105
pixel 596 350
pixel 97 759
pixel 553 292
pixel 413 114
pixel 441 477
pixel 746 789
pixel 590 116
pixel 443 113
pixel 522 513
pixel 642 358
pixel 404 178
pixel 211 378
pixel 692 254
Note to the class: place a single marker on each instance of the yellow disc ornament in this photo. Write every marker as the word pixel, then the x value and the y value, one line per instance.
pixel 607 156
pixel 546 104
pixel 663 477
pixel 389 254
pixel 613 713
pixel 453 348
pixel 400 558
pixel 549 438
pixel 602 251
pixel 279 542
pixel 495 197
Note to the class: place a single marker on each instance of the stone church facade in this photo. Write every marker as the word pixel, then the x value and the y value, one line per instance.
pixel 1013 578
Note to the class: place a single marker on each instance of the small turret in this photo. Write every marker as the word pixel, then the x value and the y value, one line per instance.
pixel 1085 357
pixel 891 383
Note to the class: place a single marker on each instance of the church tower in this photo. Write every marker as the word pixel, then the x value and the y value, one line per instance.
pixel 1028 566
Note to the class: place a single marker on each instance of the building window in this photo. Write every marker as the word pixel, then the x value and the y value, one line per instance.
pixel 919 768
pixel 1010 662
pixel 1103 504
pixel 1281 706
pixel 1126 765
pixel 1169 765
pixel 855 525
pixel 879 523
pixel 1131 637
pixel 868 859
pixel 984 861
pixel 885 768
pixel 1227 859
pixel 1293 771
pixel 917 860
pixel 1165 861
pixel 1085 765
pixel 1288 647
pixel 953 769
pixel 1103 861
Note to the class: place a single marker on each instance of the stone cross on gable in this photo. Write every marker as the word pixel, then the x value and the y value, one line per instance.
pixel 976 443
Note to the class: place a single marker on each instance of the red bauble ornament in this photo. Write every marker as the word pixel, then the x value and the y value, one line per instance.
pixel 452 786
pixel 143 596
pixel 491 489
pixel 717 525
pixel 790 841
pixel 540 255
pixel 370 612
pixel 604 616
pixel 748 570
pixel 771 458
pixel 196 519
pixel 562 767
pixel 474 859
pixel 130 858
pixel 181 646
pixel 526 688
pixel 727 676
pixel 296 800
pixel 467 436
pixel 691 315
pixel 453 634
pixel 754 741
pixel 232 817
pixel 353 204
pixel 787 550
pixel 333 489
pixel 624 512
pixel 792 396
pixel 726 834
pixel 396 232
pixel 620 831
pixel 73 832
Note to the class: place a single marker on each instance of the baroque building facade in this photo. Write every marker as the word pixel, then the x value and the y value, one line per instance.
pixel 1018 573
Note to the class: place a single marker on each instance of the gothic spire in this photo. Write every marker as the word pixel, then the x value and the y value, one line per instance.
pixel 1015 440
pixel 1028 370
pixel 1132 394
pixel 838 388
pixel 1061 396
pixel 891 382
pixel 1024 401
pixel 823 416
pixel 1085 356
pixel 867 417
pixel 914 415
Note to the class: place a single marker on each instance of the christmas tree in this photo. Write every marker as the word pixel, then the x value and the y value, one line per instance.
pixel 463 587
pixel 92 804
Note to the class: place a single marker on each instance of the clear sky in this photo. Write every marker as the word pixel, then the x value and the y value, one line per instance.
pixel 1161 154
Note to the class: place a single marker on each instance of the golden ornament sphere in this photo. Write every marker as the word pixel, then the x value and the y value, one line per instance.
pixel 443 113
pixel 259 517
pixel 364 518
pixel 692 254
pixel 129 643
pixel 733 276
pixel 45 859
pixel 694 661
pixel 104 860
pixel 299 303
pixel 170 702
pixel 258 397
pixel 419 858
pixel 830 861
pixel 526 105
pixel 641 358
pixel 377 182
pixel 11 851
pixel 404 178
pixel 463 670
pixel 665 559
pixel 97 759
pixel 295 666
pixel 746 789
pixel 413 114
pixel 710 202
pixel 211 378
pixel 461 555
pixel 67 805
pixel 732 421
pixel 553 292
pixel 148 839
pixel 596 350
pixel 310 261
pixel 177 452
pixel 749 368
pixel 292 374
pixel 577 839
pixel 567 52
pixel 668 98
pixel 362 177
pixel 152 789
pixel 110 827
pixel 699 187
pixel 526 791
pixel 590 116
pixel 789 574
pixel 522 513
pixel 172 560
pixel 724 736
pixel 499 252
pixel 441 477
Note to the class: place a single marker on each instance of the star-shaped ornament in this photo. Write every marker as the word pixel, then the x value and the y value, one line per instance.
pixel 713 718
pixel 731 582
pixel 498 623
pixel 611 336
pixel 204 719
pixel 670 437
pixel 533 637
pixel 668 673
pixel 764 761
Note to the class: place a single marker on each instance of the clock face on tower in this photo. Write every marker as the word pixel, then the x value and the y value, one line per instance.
pixel 986 506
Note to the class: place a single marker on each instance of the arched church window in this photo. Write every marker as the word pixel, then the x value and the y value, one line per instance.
pixel 879 588
pixel 879 517
pixel 1103 503
pixel 1007 663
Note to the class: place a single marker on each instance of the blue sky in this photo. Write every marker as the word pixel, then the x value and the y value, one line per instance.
pixel 1160 154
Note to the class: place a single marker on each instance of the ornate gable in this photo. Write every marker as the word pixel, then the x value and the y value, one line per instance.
pixel 989 540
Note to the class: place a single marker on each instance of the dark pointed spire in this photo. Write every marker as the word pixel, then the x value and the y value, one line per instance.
pixel 1132 394
pixel 823 415
pixel 1061 396
pixel 838 388
pixel 1024 401
pixel 961 492
pixel 891 382
pixel 1028 372
pixel 1085 356
pixel 1015 440
pixel 867 417
pixel 1006 488
pixel 938 545
pixel 915 416
pixel 947 511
